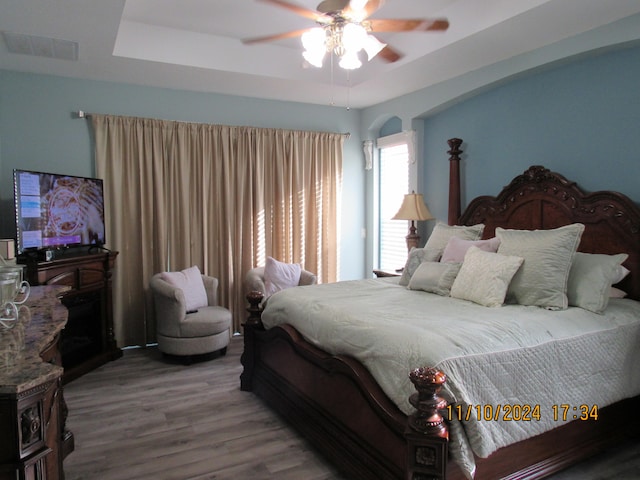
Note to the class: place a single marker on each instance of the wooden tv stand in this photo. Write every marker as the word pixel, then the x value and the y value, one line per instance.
pixel 87 340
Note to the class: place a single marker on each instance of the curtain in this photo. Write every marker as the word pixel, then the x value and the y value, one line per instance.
pixel 220 197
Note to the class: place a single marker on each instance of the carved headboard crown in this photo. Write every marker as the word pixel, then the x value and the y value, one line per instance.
pixel 542 199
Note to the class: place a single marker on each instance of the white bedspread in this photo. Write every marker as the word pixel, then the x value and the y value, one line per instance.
pixel 492 356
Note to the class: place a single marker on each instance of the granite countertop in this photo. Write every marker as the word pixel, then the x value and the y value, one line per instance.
pixel 42 317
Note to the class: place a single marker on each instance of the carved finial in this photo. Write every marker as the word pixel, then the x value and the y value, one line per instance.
pixel 454 145
pixel 255 310
pixel 427 419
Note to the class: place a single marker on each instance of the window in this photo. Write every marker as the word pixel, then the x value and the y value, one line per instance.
pixel 393 184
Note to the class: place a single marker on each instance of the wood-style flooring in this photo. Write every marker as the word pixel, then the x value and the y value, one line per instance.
pixel 144 417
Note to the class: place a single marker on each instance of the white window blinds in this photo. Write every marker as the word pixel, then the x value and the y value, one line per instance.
pixel 394 184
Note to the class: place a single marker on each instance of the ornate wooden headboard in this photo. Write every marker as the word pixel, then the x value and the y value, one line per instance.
pixel 541 199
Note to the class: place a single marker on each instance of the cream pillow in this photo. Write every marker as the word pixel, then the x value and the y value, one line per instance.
pixel 442 233
pixel 191 284
pixel 415 258
pixel 484 277
pixel 542 280
pixel 280 275
pixel 434 277
pixel 590 280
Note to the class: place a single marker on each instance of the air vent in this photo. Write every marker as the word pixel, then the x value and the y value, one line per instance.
pixel 40 46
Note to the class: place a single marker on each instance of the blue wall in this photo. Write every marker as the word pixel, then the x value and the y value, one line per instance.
pixel 39 132
pixel 580 119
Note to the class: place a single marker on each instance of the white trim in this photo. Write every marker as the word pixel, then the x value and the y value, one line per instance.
pixel 367 147
pixel 407 137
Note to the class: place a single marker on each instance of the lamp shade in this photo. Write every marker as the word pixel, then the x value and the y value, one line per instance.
pixel 413 208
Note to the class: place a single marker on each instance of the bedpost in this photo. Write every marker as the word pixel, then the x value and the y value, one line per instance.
pixel 454 180
pixel 427 435
pixel 251 326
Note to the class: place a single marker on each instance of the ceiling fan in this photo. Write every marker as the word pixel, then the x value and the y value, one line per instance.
pixel 344 28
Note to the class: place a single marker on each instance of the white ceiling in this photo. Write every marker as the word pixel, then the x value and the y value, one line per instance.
pixel 196 44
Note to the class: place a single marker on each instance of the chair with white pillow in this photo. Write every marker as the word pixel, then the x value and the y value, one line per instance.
pixel 189 320
pixel 276 276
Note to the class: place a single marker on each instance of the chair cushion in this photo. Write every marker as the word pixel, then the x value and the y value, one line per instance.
pixel 206 321
pixel 190 282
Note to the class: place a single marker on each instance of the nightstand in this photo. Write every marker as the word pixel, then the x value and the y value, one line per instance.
pixel 387 273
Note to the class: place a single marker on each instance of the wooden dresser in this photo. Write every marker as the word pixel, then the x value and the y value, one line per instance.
pixel 87 340
pixel 34 441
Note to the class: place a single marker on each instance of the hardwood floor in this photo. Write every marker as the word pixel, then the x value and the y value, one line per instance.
pixel 143 417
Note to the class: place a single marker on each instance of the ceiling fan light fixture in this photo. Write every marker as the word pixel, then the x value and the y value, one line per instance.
pixel 358 4
pixel 314 42
pixel 315 39
pixel 373 46
pixel 354 37
pixel 350 61
pixel 314 58
pixel 345 30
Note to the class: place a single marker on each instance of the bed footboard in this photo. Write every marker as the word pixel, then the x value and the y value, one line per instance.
pixel 337 405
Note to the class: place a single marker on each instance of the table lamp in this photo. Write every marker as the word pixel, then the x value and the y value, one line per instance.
pixel 413 208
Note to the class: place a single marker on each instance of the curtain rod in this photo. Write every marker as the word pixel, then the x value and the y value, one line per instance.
pixel 83 114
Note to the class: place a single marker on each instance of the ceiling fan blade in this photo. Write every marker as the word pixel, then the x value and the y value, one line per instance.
pixel 389 55
pixel 408 25
pixel 277 36
pixel 302 11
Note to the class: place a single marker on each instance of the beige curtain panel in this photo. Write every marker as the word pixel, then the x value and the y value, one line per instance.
pixel 179 194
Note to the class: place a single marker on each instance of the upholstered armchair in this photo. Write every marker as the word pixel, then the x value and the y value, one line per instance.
pixel 186 328
pixel 255 280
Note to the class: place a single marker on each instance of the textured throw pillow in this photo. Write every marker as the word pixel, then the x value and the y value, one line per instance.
pixel 542 279
pixel 415 258
pixel 590 280
pixel 442 233
pixel 434 277
pixel 457 247
pixel 190 282
pixel 280 275
pixel 484 277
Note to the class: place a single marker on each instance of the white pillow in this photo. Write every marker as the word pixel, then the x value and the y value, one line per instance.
pixel 542 280
pixel 280 275
pixel 434 277
pixel 484 277
pixel 415 258
pixel 442 233
pixel 457 247
pixel 190 282
pixel 590 280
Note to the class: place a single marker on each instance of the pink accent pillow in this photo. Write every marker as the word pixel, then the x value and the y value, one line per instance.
pixel 190 282
pixel 616 293
pixel 457 248
pixel 280 275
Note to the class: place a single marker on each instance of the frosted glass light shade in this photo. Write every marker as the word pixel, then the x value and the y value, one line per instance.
pixel 350 61
pixel 373 46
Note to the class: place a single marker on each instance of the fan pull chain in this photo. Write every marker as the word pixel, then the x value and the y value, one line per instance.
pixel 348 90
pixel 333 87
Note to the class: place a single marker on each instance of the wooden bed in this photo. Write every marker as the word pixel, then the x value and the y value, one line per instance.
pixel 337 405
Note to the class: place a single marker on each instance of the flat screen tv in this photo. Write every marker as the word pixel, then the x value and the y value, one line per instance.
pixel 56 211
